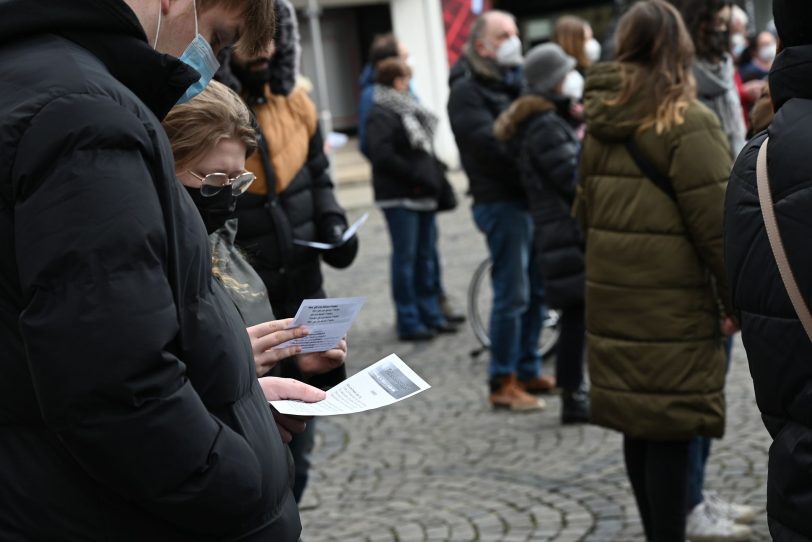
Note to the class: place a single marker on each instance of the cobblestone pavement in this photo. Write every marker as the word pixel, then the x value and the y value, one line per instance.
pixel 444 466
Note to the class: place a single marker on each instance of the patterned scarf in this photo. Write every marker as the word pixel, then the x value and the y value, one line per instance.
pixel 420 123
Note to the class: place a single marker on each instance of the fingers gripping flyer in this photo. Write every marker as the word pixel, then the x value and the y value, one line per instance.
pixel 327 321
pixel 384 383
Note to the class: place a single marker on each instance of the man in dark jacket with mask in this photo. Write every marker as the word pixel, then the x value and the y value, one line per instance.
pixel 778 349
pixel 484 82
pixel 292 199
pixel 129 407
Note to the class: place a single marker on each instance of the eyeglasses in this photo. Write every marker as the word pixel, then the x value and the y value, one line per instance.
pixel 212 183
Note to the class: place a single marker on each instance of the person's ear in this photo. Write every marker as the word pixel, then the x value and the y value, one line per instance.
pixel 165 7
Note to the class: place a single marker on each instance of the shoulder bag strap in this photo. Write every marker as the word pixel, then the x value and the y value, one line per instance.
pixel 647 168
pixel 765 199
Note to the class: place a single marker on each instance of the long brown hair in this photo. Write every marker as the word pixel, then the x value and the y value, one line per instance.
pixel 655 53
pixel 570 35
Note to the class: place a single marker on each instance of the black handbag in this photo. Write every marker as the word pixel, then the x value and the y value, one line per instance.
pixel 446 196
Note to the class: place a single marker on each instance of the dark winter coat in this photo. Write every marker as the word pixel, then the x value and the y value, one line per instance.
pixel 778 349
pixel 475 101
pixel 398 170
pixel 129 405
pixel 654 346
pixel 293 198
pixel 546 149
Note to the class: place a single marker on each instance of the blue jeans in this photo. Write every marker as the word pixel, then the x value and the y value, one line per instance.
pixel 518 307
pixel 414 237
pixel 698 453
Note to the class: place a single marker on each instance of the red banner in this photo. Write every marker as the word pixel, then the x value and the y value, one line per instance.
pixel 458 16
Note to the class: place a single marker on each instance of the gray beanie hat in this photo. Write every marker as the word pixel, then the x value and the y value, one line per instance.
pixel 545 66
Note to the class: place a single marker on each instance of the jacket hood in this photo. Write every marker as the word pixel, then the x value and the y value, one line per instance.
pixel 789 77
pixel 509 122
pixel 110 30
pixel 605 122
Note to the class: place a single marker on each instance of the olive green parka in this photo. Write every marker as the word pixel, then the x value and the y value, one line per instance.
pixel 653 269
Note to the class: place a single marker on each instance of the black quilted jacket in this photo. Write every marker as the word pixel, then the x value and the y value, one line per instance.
pixel 778 349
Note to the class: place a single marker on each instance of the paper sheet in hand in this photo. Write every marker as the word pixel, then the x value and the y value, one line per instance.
pixel 327 320
pixel 352 230
pixel 384 383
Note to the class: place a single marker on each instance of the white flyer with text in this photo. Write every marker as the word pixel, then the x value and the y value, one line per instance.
pixel 386 382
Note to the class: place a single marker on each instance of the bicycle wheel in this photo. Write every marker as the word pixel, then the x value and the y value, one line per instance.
pixel 480 299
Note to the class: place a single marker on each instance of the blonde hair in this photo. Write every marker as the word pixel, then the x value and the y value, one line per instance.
pixel 259 25
pixel 570 35
pixel 655 53
pixel 196 126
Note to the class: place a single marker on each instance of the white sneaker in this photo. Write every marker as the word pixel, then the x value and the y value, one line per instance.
pixel 738 513
pixel 704 525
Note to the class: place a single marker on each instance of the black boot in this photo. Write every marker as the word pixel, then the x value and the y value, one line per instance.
pixel 574 407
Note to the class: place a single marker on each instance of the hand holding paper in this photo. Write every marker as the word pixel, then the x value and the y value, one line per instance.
pixel 386 382
pixel 327 322
pixel 352 230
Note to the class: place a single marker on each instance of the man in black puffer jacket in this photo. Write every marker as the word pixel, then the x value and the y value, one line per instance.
pixel 538 127
pixel 778 349
pixel 129 405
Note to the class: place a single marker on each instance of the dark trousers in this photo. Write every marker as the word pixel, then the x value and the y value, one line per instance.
pixel 414 289
pixel 658 472
pixel 569 359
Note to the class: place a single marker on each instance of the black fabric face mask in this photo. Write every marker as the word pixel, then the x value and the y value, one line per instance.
pixel 718 42
pixel 253 81
pixel 214 210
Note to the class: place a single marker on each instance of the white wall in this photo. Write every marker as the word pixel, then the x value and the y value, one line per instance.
pixel 419 25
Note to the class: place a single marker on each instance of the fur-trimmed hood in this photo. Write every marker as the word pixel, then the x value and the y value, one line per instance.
pixel 508 123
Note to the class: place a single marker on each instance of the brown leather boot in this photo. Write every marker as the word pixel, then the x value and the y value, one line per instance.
pixel 508 394
pixel 541 385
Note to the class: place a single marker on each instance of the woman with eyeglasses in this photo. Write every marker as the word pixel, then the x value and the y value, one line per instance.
pixel 211 136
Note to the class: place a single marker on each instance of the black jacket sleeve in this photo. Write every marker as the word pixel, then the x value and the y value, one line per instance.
pixel 99 319
pixel 330 217
pixel 472 122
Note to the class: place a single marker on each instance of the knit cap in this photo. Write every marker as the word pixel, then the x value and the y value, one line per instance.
pixel 545 66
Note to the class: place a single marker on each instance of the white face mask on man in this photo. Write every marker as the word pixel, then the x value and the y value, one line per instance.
pixel 198 55
pixel 509 53
pixel 767 53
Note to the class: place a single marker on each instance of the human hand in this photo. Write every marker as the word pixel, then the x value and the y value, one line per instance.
pixel 753 89
pixel 729 327
pixel 269 334
pixel 318 363
pixel 276 389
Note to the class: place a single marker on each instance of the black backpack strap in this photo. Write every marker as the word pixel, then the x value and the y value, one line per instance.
pixel 647 168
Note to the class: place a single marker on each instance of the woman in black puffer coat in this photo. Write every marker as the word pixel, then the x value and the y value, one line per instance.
pixel 539 130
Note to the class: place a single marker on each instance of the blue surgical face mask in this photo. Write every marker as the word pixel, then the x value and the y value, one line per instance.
pixel 198 55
